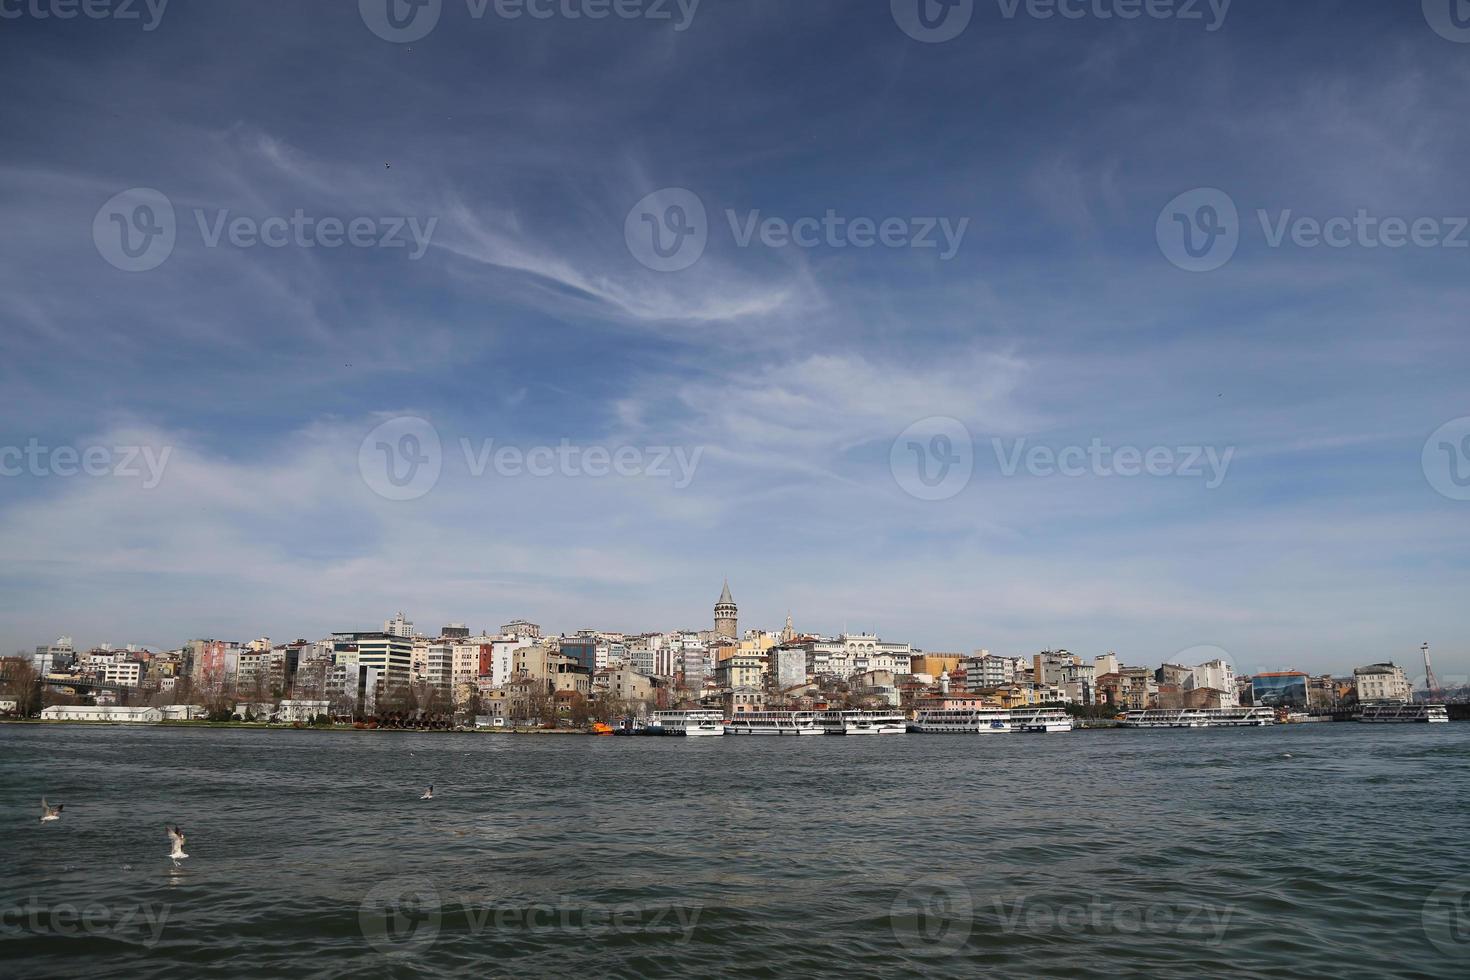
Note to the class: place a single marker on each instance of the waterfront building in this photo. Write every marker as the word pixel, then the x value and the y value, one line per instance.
pixel 292 711
pixel 1216 675
pixel 742 700
pixel 726 615
pixel 626 684
pixel 788 666
pixel 388 654
pixel 97 712
pixel 1385 682
pixel 1106 664
pixel 1174 675
pixel 741 670
pixel 1280 689
pixel 455 631
pixel 984 672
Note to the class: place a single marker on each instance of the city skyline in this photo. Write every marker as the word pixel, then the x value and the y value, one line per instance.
pixel 1297 392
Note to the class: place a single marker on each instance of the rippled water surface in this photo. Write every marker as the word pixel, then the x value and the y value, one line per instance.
pixel 1306 851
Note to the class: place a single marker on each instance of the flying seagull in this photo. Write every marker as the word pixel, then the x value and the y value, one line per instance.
pixel 48 812
pixel 177 836
pixel 428 793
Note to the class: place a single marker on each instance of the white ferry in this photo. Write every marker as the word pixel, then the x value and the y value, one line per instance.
pixel 690 722
pixel 1402 714
pixel 1040 720
pixel 1199 718
pixel 862 723
pixel 774 723
pixel 961 721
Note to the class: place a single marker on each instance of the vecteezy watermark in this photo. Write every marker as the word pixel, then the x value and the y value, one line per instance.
pixel 1201 922
pixel 148 12
pixel 403 458
pixel 936 21
pixel 141 924
pixel 40 460
pixel 1199 230
pixel 573 461
pixel 137 229
pixel 406 915
pixel 1450 19
pixel 1446 917
pixel 1446 459
pixel 668 230
pixel 400 915
pixel 406 21
pixel 937 916
pixel 933 915
pixel 1101 460
pixel 933 459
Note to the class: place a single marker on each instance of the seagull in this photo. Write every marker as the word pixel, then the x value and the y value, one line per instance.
pixel 428 793
pixel 48 812
pixel 1286 755
pixel 177 836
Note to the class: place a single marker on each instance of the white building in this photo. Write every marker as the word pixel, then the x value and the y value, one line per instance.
pixel 292 711
pixel 1382 682
pixel 124 673
pixel 788 666
pixel 1216 675
pixel 93 712
pixel 398 626
pixel 1106 664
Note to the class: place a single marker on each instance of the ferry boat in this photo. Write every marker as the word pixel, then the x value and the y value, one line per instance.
pixel 689 723
pixel 1040 720
pixel 1199 718
pixel 1402 714
pixel 961 721
pixel 862 723
pixel 774 723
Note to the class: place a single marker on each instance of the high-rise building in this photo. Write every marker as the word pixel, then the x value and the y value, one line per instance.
pixel 398 626
pixel 726 615
pixel 388 654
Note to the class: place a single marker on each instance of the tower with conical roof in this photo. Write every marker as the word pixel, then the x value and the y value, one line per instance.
pixel 726 624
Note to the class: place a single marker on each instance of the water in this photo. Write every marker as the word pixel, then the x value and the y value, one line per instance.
pixel 1168 854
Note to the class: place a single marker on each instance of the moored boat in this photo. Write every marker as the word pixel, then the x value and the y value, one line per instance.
pixel 774 723
pixel 1404 714
pixel 1199 718
pixel 1040 720
pixel 862 723
pixel 961 721
pixel 689 723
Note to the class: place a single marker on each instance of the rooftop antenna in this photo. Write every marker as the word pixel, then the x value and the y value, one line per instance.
pixel 1431 685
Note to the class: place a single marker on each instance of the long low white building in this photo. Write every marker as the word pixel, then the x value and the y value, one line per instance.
pixel 108 712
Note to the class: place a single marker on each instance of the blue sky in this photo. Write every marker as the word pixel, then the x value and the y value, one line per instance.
pixel 529 320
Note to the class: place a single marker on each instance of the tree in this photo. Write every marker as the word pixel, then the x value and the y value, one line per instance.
pixel 22 684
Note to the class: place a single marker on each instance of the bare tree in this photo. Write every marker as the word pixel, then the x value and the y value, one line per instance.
pixel 22 684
